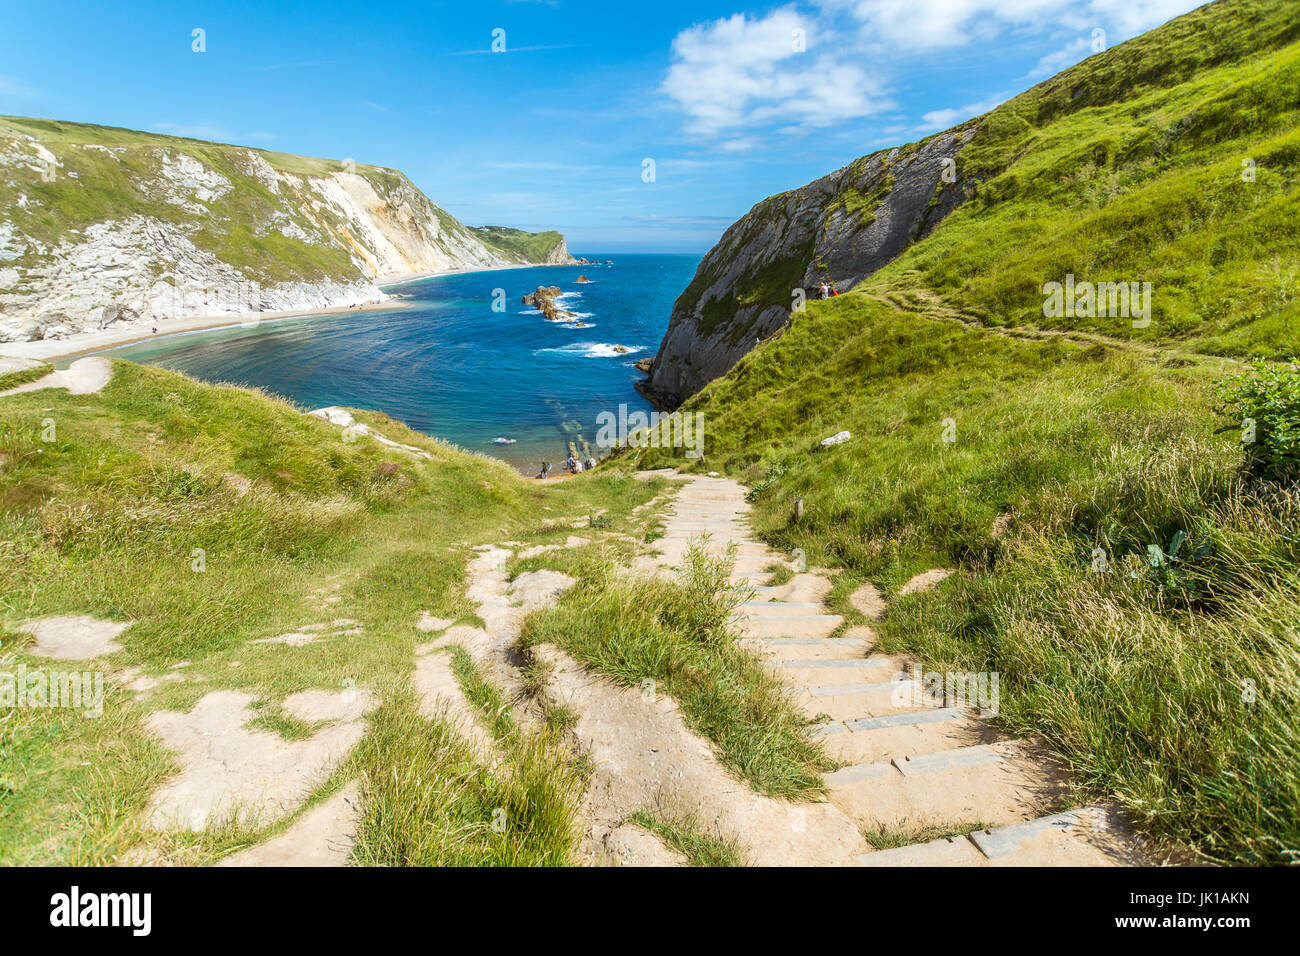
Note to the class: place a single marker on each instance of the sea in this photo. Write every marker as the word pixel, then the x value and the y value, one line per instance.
pixel 460 357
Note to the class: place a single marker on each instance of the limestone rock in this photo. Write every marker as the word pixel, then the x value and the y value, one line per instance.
pixel 790 236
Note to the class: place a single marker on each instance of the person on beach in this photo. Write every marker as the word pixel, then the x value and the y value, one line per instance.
pixel 572 464
pixel 546 469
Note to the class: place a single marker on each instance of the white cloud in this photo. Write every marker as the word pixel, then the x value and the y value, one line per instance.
pixel 734 76
pixel 1068 55
pixel 739 72
pixel 908 26
pixel 919 25
pixel 942 119
pixel 1131 17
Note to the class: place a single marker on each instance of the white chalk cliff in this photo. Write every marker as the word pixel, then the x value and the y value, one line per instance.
pixel 102 228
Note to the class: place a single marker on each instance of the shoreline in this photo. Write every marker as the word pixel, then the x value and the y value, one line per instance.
pixel 53 350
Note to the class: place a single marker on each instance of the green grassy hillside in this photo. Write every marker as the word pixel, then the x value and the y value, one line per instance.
pixel 94 185
pixel 212 516
pixel 1134 586
pixel 1173 160
pixel 268 230
pixel 517 244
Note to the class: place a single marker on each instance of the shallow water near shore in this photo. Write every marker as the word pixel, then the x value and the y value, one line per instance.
pixel 448 365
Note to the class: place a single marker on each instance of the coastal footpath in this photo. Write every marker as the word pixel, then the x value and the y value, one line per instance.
pixel 108 229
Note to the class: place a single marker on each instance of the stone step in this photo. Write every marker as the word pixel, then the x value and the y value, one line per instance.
pixel 863 698
pixel 794 648
pixel 1085 837
pixel 1074 838
pixel 756 562
pixel 715 548
pixel 810 625
pixel 834 668
pixel 913 732
pixel 782 609
pixel 814 671
pixel 993 784
pixel 734 531
pixel 716 544
pixel 696 526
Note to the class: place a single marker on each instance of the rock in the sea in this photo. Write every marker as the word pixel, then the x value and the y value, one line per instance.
pixel 582 279
pixel 544 301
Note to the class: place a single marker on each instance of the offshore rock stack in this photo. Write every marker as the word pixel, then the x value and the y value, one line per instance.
pixel 544 300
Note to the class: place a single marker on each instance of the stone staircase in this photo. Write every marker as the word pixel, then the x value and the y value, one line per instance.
pixel 912 765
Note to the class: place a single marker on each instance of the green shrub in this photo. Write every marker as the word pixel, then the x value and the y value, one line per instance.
pixel 1267 401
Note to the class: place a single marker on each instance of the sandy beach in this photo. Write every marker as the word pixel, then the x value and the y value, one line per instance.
pixel 50 350
pixel 54 349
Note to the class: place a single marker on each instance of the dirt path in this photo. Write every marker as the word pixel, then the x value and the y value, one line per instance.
pixel 916 763
pixel 83 377
pixel 924 771
pixel 933 305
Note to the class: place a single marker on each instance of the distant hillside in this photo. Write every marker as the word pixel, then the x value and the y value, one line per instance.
pixel 548 247
pixel 1117 169
pixel 1090 477
pixel 102 226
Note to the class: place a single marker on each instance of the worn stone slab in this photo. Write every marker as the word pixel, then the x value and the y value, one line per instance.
pixel 1004 840
pixel 903 720
pixel 959 759
pixel 841 690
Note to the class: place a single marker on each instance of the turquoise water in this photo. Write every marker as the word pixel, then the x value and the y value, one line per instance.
pixel 448 365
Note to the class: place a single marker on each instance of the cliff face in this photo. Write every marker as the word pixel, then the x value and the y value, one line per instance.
pixel 546 248
pixel 841 228
pixel 102 227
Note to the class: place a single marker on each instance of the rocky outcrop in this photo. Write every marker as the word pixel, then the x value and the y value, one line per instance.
pixel 841 229
pixel 543 248
pixel 109 228
pixel 544 301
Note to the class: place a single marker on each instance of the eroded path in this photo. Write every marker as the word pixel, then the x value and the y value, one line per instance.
pixel 930 778
pixel 914 763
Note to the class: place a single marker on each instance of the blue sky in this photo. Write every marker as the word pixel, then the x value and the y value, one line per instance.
pixel 732 102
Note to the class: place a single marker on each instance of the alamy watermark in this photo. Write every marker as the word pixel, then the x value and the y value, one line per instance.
pixel 964 689
pixel 1100 300
pixel 133 911
pixel 21 689
pixel 656 430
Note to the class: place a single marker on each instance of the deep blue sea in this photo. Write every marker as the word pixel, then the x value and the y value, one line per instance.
pixel 448 365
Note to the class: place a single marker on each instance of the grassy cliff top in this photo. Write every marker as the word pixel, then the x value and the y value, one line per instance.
pixel 267 228
pixel 210 517
pixel 518 244
pixel 60 132
pixel 1171 159
pixel 1119 567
